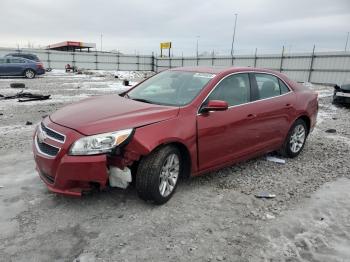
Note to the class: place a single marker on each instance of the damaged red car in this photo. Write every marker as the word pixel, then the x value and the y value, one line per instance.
pixel 179 123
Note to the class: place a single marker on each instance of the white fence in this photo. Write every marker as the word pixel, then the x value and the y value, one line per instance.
pixel 319 67
pixel 89 60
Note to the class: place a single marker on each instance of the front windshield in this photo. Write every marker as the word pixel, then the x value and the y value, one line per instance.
pixel 175 88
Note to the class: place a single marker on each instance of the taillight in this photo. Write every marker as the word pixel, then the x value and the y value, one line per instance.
pixel 40 65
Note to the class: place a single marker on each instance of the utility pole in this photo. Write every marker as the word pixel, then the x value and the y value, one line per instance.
pixel 197 45
pixel 346 43
pixel 234 33
pixel 101 42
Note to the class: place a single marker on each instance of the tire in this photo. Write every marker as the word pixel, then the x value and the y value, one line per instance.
pixel 29 73
pixel 154 179
pixel 17 85
pixel 296 138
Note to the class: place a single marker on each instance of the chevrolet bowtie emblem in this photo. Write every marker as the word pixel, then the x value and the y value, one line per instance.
pixel 41 136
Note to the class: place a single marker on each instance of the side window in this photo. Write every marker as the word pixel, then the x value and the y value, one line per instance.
pixel 16 61
pixel 234 89
pixel 2 61
pixel 283 87
pixel 268 85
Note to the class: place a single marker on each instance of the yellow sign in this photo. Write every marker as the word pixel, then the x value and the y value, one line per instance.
pixel 166 45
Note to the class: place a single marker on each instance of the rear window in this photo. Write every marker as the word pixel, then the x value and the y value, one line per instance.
pixel 345 87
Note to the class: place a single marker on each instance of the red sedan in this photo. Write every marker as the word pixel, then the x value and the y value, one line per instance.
pixel 178 123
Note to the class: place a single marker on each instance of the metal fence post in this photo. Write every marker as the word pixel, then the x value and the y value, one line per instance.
pixel 48 59
pixel 118 62
pixel 232 62
pixel 152 61
pixel 73 58
pixel 281 64
pixel 157 64
pixel 255 56
pixel 182 60
pixel 169 62
pixel 212 58
pixel 96 62
pixel 138 62
pixel 311 64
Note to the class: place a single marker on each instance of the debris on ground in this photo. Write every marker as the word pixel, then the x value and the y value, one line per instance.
pixel 126 82
pixel 1 114
pixel 265 195
pixel 27 97
pixel 1 186
pixel 28 123
pixel 275 159
pixel 17 85
pixel 269 216
pixel 331 130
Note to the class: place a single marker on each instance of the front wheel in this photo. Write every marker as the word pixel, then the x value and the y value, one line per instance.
pixel 29 73
pixel 295 140
pixel 158 174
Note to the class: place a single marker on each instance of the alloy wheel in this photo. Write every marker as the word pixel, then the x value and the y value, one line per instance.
pixel 169 174
pixel 29 74
pixel 297 138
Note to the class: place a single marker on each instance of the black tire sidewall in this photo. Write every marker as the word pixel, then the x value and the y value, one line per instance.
pixel 155 161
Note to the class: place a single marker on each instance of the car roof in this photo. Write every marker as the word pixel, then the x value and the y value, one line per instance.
pixel 11 54
pixel 26 59
pixel 223 70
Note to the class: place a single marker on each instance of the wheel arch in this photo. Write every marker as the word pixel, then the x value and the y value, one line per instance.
pixel 307 121
pixel 185 154
pixel 28 68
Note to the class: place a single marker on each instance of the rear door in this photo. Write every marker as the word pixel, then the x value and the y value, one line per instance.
pixel 226 135
pixel 273 107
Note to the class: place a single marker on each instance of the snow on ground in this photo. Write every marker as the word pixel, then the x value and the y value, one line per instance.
pixel 318 230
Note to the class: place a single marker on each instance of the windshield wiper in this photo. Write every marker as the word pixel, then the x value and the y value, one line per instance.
pixel 141 100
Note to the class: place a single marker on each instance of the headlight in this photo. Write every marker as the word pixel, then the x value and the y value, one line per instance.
pixel 98 144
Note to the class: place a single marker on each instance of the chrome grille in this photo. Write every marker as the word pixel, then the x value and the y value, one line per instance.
pixel 53 134
pixel 46 149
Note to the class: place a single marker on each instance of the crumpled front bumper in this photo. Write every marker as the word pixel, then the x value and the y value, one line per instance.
pixel 62 173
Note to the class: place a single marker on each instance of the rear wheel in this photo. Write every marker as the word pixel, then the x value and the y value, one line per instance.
pixel 295 140
pixel 158 174
pixel 29 73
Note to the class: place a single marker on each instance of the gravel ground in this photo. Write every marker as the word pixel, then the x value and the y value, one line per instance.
pixel 214 217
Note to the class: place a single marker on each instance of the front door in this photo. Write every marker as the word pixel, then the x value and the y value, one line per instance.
pixel 3 67
pixel 227 135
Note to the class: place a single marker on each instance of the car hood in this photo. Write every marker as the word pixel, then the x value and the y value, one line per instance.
pixel 109 113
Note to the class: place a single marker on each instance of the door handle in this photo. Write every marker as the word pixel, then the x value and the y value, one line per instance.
pixel 288 105
pixel 251 116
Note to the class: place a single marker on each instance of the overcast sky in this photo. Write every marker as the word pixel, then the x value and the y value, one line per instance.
pixel 139 26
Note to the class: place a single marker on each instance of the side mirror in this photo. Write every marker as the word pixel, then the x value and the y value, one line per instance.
pixel 215 105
